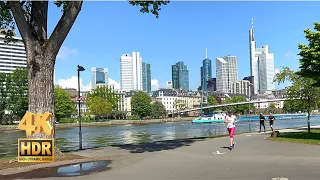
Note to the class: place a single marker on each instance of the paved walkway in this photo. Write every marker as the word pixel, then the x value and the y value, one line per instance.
pixel 253 159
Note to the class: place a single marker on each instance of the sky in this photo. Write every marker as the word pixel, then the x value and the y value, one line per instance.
pixel 104 31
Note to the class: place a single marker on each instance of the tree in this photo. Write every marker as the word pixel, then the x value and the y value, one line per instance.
pixel 63 103
pixel 310 56
pixel 99 106
pixel 31 18
pixel 302 88
pixel 158 109
pixel 211 101
pixel 3 96
pixel 18 97
pixel 107 93
pixel 141 104
pixel 243 108
pixel 292 106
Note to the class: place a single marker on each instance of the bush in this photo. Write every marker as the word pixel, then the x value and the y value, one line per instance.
pixel 134 117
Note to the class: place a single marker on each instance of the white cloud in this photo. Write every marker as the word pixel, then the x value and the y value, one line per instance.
pixel 65 52
pixel 115 83
pixel 154 85
pixel 73 83
pixel 276 71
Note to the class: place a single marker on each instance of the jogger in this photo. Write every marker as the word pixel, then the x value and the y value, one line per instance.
pixel 230 120
pixel 262 118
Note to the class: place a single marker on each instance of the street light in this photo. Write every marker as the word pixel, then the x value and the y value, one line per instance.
pixel 80 68
pixel 250 91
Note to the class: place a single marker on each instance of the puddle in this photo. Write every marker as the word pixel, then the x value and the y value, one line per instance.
pixel 69 170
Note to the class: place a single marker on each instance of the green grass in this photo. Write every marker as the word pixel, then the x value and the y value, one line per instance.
pixel 299 137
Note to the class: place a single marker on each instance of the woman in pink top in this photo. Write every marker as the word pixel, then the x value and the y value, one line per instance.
pixel 230 120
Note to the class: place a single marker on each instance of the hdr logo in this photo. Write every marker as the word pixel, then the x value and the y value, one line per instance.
pixel 34 149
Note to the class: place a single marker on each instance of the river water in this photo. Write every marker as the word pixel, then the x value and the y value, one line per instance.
pixel 97 136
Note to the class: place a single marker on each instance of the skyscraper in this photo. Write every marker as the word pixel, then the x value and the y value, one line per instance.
pixel 146 77
pixel 227 73
pixel 168 84
pixel 206 71
pixel 131 72
pixel 99 76
pixel 261 65
pixel 180 76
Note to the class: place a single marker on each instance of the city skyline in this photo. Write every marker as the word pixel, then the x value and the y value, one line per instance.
pixel 270 30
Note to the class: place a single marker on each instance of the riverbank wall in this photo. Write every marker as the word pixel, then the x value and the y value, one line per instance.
pixel 106 123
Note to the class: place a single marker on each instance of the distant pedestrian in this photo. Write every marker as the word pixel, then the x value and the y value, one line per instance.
pixel 271 120
pixel 262 118
pixel 230 120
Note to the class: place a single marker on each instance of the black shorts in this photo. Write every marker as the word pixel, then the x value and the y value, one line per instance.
pixel 271 122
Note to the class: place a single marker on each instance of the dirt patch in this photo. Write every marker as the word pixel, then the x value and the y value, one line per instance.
pixel 13 162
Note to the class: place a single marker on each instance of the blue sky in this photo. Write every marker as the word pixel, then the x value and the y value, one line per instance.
pixel 106 30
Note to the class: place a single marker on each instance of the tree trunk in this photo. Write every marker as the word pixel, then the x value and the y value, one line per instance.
pixel 309 130
pixel 41 87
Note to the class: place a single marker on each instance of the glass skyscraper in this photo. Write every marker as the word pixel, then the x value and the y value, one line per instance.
pixel 99 76
pixel 146 77
pixel 180 76
pixel 206 73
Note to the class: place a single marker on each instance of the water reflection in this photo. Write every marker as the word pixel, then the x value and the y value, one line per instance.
pixel 95 136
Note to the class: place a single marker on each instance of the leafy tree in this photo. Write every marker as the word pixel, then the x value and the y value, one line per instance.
pixel 310 56
pixel 158 109
pixel 63 103
pixel 141 104
pixel 18 97
pixel 3 95
pixel 243 108
pixel 107 93
pixel 292 106
pixel 31 18
pixel 302 88
pixel 99 106
pixel 212 100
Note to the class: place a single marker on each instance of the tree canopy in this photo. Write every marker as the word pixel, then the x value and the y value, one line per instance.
pixel 302 88
pixel 158 109
pixel 99 106
pixel 14 94
pixel 243 108
pixel 141 104
pixel 63 103
pixel 310 56
pixel 106 93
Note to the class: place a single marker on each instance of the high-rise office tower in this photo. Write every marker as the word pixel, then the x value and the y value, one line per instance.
pixel 261 65
pixel 12 55
pixel 131 72
pixel 180 76
pixel 99 76
pixel 206 71
pixel 227 73
pixel 146 77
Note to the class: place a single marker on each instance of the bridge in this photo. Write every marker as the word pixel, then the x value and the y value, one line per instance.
pixel 231 104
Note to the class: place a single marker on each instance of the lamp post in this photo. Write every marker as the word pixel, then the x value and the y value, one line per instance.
pixel 80 68
pixel 250 91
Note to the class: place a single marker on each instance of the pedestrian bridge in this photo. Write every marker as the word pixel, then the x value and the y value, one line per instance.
pixel 232 104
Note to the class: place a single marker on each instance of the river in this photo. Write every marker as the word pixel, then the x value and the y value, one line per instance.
pixel 97 136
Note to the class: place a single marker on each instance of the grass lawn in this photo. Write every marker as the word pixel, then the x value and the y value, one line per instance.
pixel 6 163
pixel 299 137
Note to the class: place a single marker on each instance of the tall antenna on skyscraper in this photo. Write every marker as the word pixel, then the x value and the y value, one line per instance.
pixel 206 53
pixel 252 23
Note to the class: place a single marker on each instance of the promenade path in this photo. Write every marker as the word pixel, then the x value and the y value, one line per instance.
pixel 253 159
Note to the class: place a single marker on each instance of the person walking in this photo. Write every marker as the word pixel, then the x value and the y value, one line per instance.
pixel 230 120
pixel 271 120
pixel 262 118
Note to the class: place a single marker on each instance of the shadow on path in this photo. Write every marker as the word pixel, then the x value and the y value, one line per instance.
pixel 158 146
pixel 69 170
